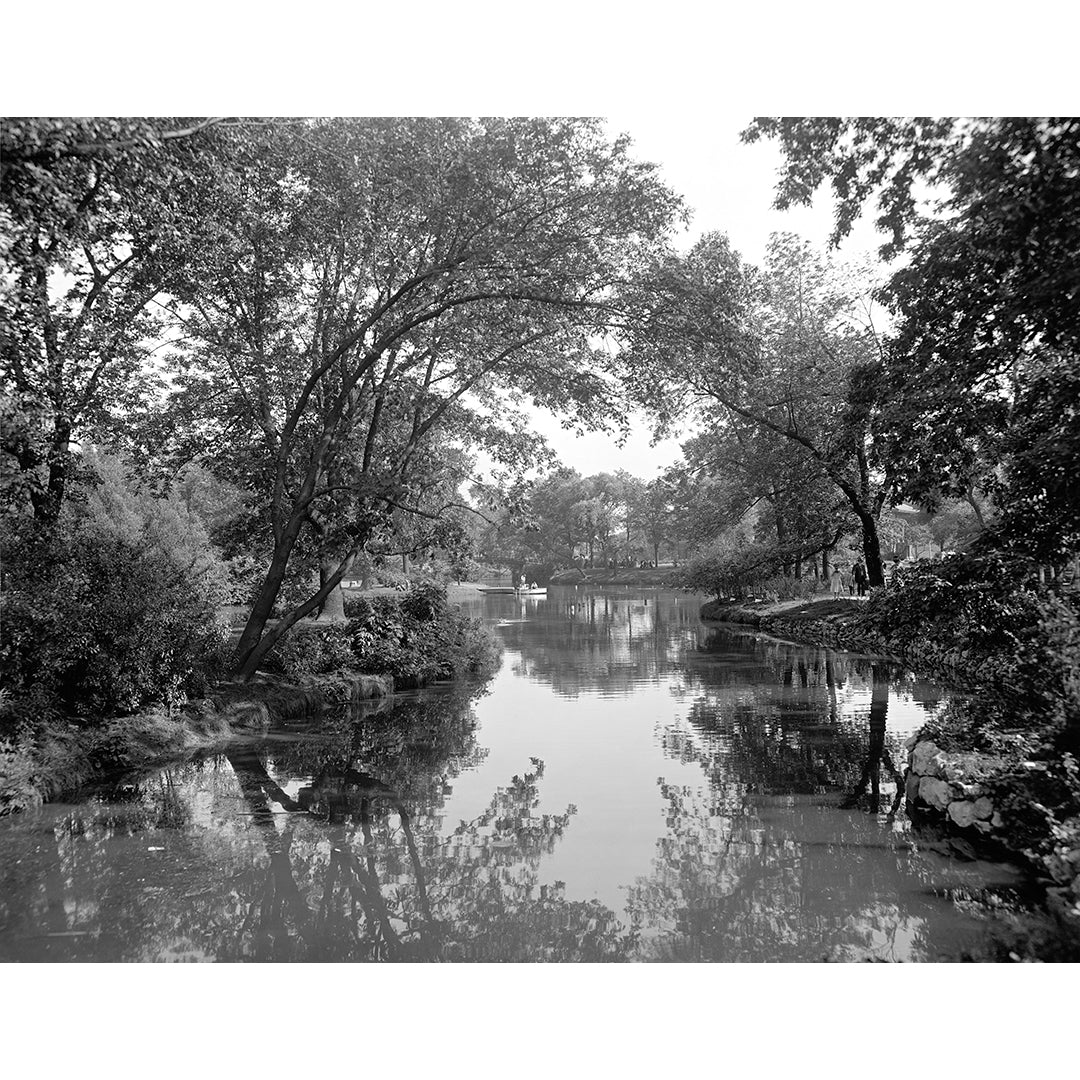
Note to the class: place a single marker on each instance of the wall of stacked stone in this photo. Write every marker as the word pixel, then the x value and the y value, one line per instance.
pixel 947 786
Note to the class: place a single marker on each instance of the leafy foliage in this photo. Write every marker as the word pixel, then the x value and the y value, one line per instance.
pixel 97 625
pixel 416 637
pixel 779 365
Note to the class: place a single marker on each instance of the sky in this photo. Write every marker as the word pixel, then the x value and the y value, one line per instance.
pixel 728 185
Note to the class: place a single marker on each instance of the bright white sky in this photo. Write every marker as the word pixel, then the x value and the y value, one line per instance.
pixel 729 187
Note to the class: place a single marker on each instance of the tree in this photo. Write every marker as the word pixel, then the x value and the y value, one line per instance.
pixel 98 215
pixel 743 472
pixel 988 306
pixel 782 352
pixel 382 284
pixel 653 513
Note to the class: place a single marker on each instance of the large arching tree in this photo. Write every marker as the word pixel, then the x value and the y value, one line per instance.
pixel 783 352
pixel 977 384
pixel 379 284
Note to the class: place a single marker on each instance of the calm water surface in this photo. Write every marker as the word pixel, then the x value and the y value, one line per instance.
pixel 631 785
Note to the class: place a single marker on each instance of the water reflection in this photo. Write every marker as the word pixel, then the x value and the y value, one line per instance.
pixel 631 786
pixel 340 867
pixel 588 642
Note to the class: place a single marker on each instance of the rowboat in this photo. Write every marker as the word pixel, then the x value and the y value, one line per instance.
pixel 509 590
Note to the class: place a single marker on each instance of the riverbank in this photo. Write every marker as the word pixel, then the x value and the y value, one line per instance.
pixel 654 577
pixel 840 624
pixel 403 640
pixel 982 777
pixel 66 755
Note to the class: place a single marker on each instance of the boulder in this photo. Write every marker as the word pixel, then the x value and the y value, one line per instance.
pixel 962 813
pixel 935 792
pixel 983 808
pixel 926 759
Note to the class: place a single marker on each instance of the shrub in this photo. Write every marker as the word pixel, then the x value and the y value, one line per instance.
pixel 990 609
pixel 425 602
pixel 729 566
pixel 96 625
pixel 787 588
pixel 318 650
pixel 417 638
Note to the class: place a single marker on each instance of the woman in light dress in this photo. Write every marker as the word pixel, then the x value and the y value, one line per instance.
pixel 836 579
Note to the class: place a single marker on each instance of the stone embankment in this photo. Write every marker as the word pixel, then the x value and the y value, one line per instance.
pixel 949 787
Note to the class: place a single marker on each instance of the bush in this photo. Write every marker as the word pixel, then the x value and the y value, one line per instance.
pixel 992 613
pixel 729 566
pixel 788 588
pixel 97 626
pixel 417 638
pixel 425 602
pixel 990 609
pixel 320 650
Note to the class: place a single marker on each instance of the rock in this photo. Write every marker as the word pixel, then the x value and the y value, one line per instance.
pixel 926 759
pixel 911 740
pixel 962 813
pixel 983 826
pixel 983 807
pixel 935 792
pixel 996 821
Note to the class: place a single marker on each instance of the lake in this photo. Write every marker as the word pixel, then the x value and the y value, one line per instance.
pixel 630 785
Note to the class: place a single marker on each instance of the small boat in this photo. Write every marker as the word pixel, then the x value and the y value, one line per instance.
pixel 509 590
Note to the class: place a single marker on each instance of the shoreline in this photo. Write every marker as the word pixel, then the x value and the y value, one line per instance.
pixel 954 793
pixel 71 756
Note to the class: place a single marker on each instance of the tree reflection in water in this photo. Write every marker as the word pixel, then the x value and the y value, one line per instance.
pixel 776 858
pixel 578 642
pixel 350 867
pixel 777 842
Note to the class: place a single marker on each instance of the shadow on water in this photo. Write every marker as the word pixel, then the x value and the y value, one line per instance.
pixel 755 795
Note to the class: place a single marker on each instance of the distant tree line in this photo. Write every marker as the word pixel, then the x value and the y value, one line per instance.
pixel 568 520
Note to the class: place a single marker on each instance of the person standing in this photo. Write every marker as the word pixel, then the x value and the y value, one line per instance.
pixel 837 581
pixel 861 578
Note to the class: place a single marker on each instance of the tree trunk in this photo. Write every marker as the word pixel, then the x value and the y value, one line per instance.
pixel 265 600
pixel 254 656
pixel 46 503
pixel 333 607
pixel 875 572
